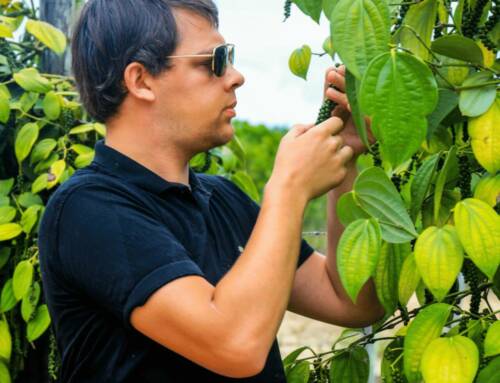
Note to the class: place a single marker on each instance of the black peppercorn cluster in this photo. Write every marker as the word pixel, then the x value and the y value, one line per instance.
pixel 287 9
pixel 67 119
pixel 391 353
pixel 325 112
pixel 375 150
pixel 465 176
pixel 473 278
pixel 320 374
pixel 471 18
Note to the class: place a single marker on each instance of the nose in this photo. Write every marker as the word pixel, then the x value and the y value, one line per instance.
pixel 234 78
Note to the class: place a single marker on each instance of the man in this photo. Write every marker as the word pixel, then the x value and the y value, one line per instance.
pixel 140 256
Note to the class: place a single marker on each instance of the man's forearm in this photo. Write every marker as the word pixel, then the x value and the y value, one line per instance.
pixel 256 291
pixel 367 298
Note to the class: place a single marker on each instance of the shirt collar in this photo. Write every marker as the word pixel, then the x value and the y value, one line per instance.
pixel 130 170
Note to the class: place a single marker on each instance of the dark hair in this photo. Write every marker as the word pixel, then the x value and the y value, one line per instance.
pixel 110 34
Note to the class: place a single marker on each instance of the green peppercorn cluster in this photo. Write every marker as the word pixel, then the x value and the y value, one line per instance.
pixel 391 353
pixel 471 18
pixel 492 21
pixel 287 9
pixel 67 119
pixel 465 177
pixel 20 184
pixel 375 150
pixel 325 111
pixel 319 374
pixel 54 359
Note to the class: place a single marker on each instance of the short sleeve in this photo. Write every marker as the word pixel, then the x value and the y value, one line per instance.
pixel 253 208
pixel 115 252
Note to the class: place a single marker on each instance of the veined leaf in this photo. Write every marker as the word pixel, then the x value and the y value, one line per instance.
pixel 299 373
pixel 39 324
pixel 311 8
pixel 49 35
pixel 29 79
pixel 476 101
pixel 357 254
pixel 426 327
pixel 478 227
pixel 25 140
pixel 377 195
pixel 441 181
pixel 352 90
pixel 393 81
pixel 420 18
pixel 23 276
pixel 488 189
pixel 299 61
pixel 489 374
pixel 348 210
pixel 485 138
pixel 439 257
pixel 351 366
pixel 360 31
pixel 421 183
pixel 492 340
pixel 451 359
pixel 458 47
pixel 408 279
pixel 387 274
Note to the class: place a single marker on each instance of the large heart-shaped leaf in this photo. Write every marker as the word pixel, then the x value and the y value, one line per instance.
pixel 426 327
pixel 52 37
pixel 451 359
pixel 299 61
pixel 488 189
pixel 477 100
pixel 458 47
pixel 409 279
pixel 393 82
pixel 485 138
pixel 377 195
pixel 478 227
pixel 439 257
pixel 360 32
pixel 357 254
pixel 492 340
pixel 352 366
pixel 311 8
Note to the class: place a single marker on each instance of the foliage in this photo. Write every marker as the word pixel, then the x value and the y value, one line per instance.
pixel 425 72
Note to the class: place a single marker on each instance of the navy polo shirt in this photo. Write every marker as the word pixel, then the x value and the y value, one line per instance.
pixel 113 234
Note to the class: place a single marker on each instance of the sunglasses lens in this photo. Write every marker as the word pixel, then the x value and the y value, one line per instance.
pixel 220 60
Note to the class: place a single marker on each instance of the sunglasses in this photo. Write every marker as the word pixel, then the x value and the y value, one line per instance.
pixel 221 56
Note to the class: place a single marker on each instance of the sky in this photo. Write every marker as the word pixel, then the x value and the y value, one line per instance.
pixel 272 94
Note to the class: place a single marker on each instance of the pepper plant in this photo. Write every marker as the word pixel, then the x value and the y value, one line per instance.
pixel 422 217
pixel 45 136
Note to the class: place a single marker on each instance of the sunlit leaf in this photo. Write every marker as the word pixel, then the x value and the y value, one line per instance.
pixel 492 340
pixel 299 61
pixel 39 324
pixel 25 140
pixel 49 35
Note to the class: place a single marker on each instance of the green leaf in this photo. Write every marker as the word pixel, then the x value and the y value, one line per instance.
pixel 292 357
pixel 29 218
pixel 392 82
pixel 6 186
pixel 458 47
pixel 439 257
pixel 9 231
pixel 7 214
pixel 420 18
pixel 492 340
pixel 360 31
pixel 474 102
pixel 30 301
pixel 4 256
pixel 451 359
pixel 421 184
pixel 378 196
pixel 447 102
pixel 408 279
pixel 357 254
pixel 4 373
pixel 299 61
pixel 25 140
pixel 85 128
pixel 426 327
pixel 29 79
pixel 56 170
pixel 478 227
pixel 7 298
pixel 84 160
pixel 441 180
pixel 39 324
pixel 299 373
pixel 387 274
pixel 81 149
pixel 100 129
pixel 23 276
pixel 490 373
pixel 52 105
pixel 348 209
pixel 42 150
pixel 328 46
pixel 29 199
pixel 328 6
pixel 245 182
pixel 5 341
pixel 27 101
pixel 49 35
pixel 311 8
pixel 488 189
pixel 4 108
pixel 352 366
pixel 352 89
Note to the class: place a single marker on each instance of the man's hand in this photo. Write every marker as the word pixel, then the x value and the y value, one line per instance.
pixel 336 76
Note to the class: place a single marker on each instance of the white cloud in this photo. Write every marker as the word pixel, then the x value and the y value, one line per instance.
pixel 272 94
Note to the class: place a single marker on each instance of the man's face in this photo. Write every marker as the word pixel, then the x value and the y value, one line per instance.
pixel 190 98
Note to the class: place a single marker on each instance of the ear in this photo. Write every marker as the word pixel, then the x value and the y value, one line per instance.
pixel 138 82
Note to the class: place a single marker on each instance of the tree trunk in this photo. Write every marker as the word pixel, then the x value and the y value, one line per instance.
pixel 59 13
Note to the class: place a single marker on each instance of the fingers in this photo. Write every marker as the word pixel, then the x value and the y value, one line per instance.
pixel 339 98
pixel 336 77
pixel 331 126
pixel 346 153
pixel 299 129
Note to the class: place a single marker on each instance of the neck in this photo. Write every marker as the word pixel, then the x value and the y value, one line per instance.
pixel 153 151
